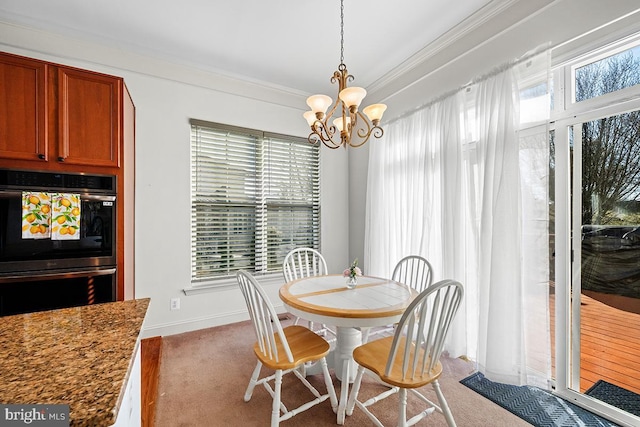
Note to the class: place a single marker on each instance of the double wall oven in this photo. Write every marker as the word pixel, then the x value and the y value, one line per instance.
pixel 41 273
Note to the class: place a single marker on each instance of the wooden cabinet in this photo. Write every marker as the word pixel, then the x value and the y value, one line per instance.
pixel 88 118
pixel 23 108
pixel 52 116
pixel 59 118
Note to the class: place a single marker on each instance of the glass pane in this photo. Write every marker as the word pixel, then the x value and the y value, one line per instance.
pixel 610 253
pixel 223 240
pixel 608 75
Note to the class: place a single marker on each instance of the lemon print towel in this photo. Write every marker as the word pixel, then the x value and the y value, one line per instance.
pixel 65 221
pixel 36 215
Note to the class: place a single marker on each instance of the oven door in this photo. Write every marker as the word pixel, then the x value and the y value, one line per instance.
pixel 94 246
pixel 27 293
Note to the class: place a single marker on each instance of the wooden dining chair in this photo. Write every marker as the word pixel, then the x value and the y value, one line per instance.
pixel 305 262
pixel 284 350
pixel 414 271
pixel 410 358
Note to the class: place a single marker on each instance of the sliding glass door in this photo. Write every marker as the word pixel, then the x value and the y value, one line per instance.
pixel 598 313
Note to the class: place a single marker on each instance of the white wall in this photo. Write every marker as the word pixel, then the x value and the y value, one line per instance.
pixel 166 97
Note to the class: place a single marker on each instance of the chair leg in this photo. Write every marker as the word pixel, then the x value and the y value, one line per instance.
pixel 355 388
pixel 344 390
pixel 402 409
pixel 443 404
pixel 365 334
pixel 329 384
pixel 275 409
pixel 252 382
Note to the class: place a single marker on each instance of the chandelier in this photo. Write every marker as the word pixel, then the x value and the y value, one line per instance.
pixel 350 127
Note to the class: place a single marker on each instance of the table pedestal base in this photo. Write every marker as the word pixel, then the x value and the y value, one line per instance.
pixel 345 367
pixel 348 339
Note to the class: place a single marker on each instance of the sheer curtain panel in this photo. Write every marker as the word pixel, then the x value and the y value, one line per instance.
pixel 463 181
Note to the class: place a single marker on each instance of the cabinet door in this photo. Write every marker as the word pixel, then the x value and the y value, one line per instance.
pixel 23 118
pixel 89 118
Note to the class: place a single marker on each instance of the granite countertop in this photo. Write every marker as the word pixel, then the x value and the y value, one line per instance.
pixel 78 356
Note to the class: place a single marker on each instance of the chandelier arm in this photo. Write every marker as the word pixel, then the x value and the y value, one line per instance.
pixel 363 132
pixel 326 133
pixel 377 132
pixel 331 144
pixel 317 135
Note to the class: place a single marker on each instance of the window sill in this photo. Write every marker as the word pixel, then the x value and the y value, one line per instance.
pixel 230 283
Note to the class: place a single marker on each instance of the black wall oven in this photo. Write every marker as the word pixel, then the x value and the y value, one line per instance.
pixel 45 273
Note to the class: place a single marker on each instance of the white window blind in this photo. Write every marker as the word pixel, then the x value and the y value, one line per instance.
pixel 254 197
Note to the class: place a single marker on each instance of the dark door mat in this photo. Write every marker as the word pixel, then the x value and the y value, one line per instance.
pixel 615 396
pixel 534 405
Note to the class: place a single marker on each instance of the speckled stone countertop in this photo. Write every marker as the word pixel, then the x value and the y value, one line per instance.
pixel 77 356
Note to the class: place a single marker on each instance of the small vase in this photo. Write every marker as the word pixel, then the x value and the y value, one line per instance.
pixel 351 282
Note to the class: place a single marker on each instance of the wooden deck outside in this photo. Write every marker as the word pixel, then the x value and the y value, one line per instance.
pixel 610 340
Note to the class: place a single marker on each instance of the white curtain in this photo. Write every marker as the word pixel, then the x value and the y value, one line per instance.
pixel 463 182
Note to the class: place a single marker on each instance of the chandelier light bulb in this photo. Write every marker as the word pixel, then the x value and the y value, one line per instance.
pixel 352 96
pixel 374 112
pixel 319 103
pixel 339 122
pixel 310 116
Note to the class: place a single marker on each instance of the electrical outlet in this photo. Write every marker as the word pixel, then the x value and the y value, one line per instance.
pixel 175 303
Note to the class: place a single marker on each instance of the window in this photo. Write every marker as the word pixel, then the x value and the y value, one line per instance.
pixel 254 197
pixel 610 73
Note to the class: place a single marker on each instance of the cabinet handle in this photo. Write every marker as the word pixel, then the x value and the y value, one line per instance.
pixel 41 156
pixel 61 159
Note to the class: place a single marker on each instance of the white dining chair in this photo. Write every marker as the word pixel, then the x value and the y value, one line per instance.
pixel 414 271
pixel 284 350
pixel 410 359
pixel 306 262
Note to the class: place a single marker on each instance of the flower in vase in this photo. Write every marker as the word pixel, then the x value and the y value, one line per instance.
pixel 352 271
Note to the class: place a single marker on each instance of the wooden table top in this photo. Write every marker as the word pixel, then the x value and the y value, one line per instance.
pixel 373 297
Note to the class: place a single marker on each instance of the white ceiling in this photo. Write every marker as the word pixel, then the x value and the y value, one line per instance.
pixel 293 44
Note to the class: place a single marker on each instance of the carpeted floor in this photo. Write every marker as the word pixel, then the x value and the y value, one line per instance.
pixel 204 374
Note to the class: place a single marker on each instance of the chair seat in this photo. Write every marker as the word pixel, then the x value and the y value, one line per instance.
pixel 374 354
pixel 305 345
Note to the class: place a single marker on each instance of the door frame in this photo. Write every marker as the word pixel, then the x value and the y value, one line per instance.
pixel 568 272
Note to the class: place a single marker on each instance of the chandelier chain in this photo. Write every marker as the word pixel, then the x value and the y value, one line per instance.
pixel 341 31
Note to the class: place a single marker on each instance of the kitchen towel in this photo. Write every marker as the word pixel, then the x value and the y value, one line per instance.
pixel 36 215
pixel 65 222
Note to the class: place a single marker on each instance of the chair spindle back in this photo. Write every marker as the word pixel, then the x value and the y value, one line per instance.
pixel 303 262
pixel 265 320
pixel 414 271
pixel 422 330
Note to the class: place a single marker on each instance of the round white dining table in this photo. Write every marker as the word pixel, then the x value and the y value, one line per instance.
pixel 326 299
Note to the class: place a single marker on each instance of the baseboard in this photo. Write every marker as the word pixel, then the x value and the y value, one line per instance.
pixel 188 325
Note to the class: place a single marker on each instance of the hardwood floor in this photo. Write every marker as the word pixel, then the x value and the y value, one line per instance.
pixel 151 349
pixel 610 341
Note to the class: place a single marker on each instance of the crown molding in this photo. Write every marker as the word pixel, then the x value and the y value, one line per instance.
pixel 28 41
pixel 483 16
